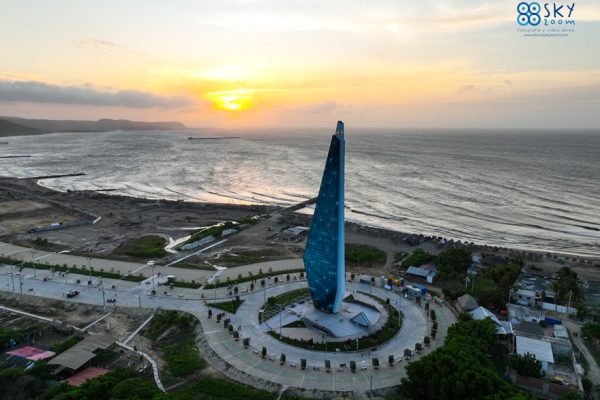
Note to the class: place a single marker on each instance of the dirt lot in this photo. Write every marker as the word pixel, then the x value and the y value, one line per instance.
pixel 122 218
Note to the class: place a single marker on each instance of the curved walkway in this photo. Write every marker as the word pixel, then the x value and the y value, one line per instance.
pixel 415 327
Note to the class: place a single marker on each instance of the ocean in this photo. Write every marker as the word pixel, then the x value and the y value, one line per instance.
pixel 526 190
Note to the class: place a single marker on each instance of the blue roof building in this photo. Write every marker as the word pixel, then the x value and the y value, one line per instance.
pixel 324 254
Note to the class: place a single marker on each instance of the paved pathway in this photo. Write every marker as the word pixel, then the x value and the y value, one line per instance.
pixel 131 294
pixel 593 371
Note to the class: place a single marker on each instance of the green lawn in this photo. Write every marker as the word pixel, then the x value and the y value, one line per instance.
pixel 229 306
pixel 249 278
pixel 144 247
pixel 178 346
pixel 245 257
pixel 364 256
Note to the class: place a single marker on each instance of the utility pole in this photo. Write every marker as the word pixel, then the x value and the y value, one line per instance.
pixel 140 301
pixel 12 277
pixel 21 285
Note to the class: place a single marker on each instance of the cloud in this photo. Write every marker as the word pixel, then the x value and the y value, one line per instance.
pixel 95 43
pixel 40 92
pixel 317 108
pixel 467 88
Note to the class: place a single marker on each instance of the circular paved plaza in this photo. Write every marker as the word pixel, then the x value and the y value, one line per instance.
pixel 415 327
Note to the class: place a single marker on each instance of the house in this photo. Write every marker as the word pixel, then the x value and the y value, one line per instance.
pixel 426 272
pixel 517 313
pixel 531 289
pixel 542 350
pixel 294 234
pixel 466 302
pixel 503 328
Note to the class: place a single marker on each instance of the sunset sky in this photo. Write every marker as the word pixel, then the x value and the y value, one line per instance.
pixel 259 63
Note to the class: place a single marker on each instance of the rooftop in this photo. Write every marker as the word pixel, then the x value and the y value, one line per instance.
pixel 502 327
pixel 536 283
pixel 540 349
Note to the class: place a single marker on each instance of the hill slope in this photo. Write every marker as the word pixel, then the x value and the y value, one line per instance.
pixel 8 128
pixel 102 125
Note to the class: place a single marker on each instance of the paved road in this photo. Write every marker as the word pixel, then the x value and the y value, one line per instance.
pixel 131 294
pixel 133 268
pixel 593 371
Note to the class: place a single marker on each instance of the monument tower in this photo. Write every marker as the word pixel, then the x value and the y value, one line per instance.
pixel 324 254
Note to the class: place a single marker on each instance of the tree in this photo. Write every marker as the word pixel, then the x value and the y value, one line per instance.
pixel 526 365
pixel 418 257
pixel 453 263
pixel 460 369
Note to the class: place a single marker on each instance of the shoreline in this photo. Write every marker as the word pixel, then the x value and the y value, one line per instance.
pixel 352 225
pixel 362 226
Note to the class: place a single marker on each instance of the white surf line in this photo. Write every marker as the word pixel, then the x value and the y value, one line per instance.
pixel 151 361
pixel 96 321
pixel 197 252
pixel 139 329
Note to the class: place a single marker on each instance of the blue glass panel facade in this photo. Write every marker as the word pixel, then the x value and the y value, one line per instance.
pixel 324 253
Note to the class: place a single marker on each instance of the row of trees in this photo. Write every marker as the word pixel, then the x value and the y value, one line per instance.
pixel 462 368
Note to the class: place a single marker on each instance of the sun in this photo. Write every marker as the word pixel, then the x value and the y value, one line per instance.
pixel 231 101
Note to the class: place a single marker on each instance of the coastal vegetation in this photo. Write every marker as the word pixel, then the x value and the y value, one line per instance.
pixel 150 246
pixel 453 263
pixel 364 256
pixel 462 368
pixel 416 258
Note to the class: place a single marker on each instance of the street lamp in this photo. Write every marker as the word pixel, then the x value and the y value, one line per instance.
pixel 151 263
pixel 33 263
pixel 12 277
pixel 103 299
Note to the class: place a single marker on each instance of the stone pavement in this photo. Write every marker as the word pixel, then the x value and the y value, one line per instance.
pixel 132 294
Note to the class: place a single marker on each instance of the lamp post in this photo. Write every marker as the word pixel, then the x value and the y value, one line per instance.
pixel 21 285
pixel 12 277
pixel 33 263
pixel 151 263
pixel 103 299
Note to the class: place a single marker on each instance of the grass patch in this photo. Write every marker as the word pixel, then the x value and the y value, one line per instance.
pixel 187 285
pixel 74 270
pixel 64 345
pixel 401 255
pixel 251 278
pixel 295 324
pixel 217 230
pixel 150 246
pixel 365 256
pixel 247 257
pixel 418 257
pixel 173 335
pixel 229 306
pixel 202 267
pixel 220 389
pixel 275 303
pixel 42 242
pixel 388 331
